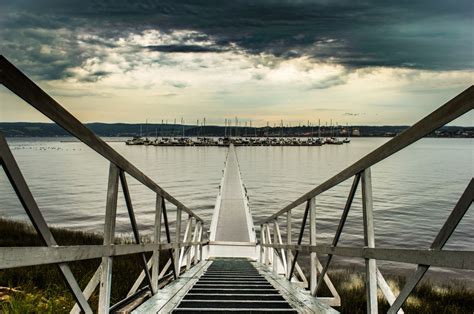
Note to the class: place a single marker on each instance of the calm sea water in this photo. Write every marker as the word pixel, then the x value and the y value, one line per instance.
pixel 414 190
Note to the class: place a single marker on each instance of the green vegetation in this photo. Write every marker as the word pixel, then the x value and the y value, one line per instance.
pixel 426 298
pixel 41 289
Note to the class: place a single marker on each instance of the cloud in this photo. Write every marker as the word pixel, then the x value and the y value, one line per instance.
pixel 432 35
pixel 176 84
pixel 185 48
pixel 329 82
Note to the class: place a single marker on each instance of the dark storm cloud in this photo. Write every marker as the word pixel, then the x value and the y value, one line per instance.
pixel 435 35
pixel 185 48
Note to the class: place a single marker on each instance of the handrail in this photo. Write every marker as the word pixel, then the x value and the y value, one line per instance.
pixel 184 251
pixel 22 256
pixel 451 110
pixel 13 79
pixel 285 255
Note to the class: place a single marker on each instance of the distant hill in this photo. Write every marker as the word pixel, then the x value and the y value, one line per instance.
pixel 33 129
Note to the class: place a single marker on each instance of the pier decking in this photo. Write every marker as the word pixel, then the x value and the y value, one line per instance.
pixel 232 221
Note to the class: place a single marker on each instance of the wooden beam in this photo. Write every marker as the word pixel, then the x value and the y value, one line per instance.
pixel 168 236
pixel 187 231
pixel 14 257
pixel 369 241
pixel 267 248
pixel 275 257
pixel 279 240
pixel 178 241
pixel 156 240
pixel 444 258
pixel 313 279
pixel 109 237
pixel 288 241
pixel 261 244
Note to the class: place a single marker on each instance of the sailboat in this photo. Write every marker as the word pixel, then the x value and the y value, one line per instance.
pixel 347 139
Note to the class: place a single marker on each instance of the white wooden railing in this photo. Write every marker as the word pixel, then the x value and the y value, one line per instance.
pixel 184 250
pixel 284 254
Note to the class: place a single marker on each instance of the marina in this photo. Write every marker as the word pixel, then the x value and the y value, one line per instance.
pixel 237 141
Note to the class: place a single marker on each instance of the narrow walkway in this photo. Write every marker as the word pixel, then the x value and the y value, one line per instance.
pixel 232 221
pixel 233 285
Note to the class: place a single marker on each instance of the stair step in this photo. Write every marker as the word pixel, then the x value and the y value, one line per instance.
pixel 233 291
pixel 241 287
pixel 222 304
pixel 233 282
pixel 233 296
pixel 233 286
pixel 229 310
pixel 233 273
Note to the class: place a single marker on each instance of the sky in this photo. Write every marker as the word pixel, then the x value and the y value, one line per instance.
pixel 355 62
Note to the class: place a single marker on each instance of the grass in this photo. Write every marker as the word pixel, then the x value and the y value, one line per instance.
pixel 452 297
pixel 41 289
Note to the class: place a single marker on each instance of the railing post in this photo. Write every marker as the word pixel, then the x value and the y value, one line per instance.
pixel 269 242
pixel 266 249
pixel 369 240
pixel 275 241
pixel 188 256
pixel 177 241
pixel 200 240
pixel 261 244
pixel 312 241
pixel 155 271
pixel 288 241
pixel 109 235
pixel 195 240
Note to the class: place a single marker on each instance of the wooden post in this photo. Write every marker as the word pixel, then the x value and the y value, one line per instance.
pixel 288 241
pixel 195 240
pixel 177 241
pixel 282 251
pixel 369 241
pixel 261 244
pixel 200 240
pixel 275 241
pixel 109 235
pixel 312 241
pixel 269 242
pixel 155 271
pixel 185 239
pixel 267 249
pixel 188 256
